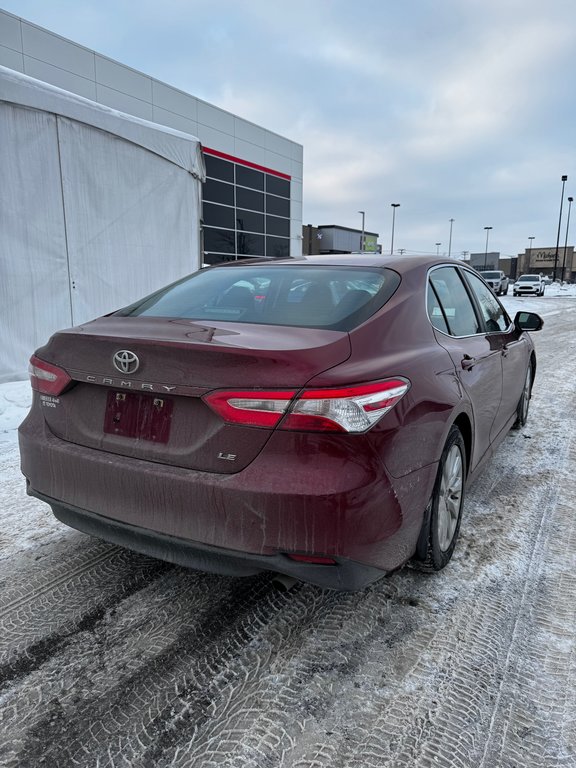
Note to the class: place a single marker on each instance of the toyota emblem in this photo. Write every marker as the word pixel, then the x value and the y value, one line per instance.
pixel 126 361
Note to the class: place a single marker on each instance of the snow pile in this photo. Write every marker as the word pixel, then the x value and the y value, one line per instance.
pixel 15 400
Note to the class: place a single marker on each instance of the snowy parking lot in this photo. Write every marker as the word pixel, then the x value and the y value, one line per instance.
pixel 109 658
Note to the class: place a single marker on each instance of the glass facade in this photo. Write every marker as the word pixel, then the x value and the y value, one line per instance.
pixel 245 212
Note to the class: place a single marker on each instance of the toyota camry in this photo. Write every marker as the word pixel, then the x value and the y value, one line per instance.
pixel 318 418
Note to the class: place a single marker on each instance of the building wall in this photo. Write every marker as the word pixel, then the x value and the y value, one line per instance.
pixel 535 260
pixel 485 261
pixel 335 239
pixel 39 53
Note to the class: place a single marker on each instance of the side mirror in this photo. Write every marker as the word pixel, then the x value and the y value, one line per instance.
pixel 528 321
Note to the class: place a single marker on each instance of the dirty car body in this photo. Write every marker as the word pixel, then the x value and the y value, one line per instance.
pixel 297 416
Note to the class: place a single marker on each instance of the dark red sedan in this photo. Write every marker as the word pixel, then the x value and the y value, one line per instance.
pixel 318 418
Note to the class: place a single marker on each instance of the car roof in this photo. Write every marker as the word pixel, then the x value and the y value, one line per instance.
pixel 400 264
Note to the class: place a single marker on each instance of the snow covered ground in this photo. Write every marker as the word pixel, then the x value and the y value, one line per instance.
pixel 109 658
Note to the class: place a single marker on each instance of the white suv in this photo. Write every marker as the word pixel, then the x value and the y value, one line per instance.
pixel 497 280
pixel 531 285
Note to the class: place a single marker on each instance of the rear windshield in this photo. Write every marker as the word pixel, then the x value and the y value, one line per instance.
pixel 330 297
pixel 490 275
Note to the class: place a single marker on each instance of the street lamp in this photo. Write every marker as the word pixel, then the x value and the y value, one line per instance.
pixel 570 199
pixel 450 240
pixel 394 206
pixel 530 250
pixel 438 248
pixel 362 237
pixel 564 179
pixel 486 249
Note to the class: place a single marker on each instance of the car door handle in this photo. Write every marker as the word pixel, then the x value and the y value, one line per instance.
pixel 468 362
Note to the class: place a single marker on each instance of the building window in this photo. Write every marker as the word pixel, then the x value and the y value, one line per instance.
pixel 248 221
pixel 276 186
pixel 218 216
pixel 278 247
pixel 277 226
pixel 247 177
pixel 246 212
pixel 278 206
pixel 218 192
pixel 249 244
pixel 219 169
pixel 219 240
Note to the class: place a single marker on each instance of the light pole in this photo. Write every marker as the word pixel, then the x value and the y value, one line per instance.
pixel 486 249
pixel 564 179
pixel 362 237
pixel 394 206
pixel 530 250
pixel 438 248
pixel 450 240
pixel 570 199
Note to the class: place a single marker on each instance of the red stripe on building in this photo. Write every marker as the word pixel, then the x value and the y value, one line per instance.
pixel 233 159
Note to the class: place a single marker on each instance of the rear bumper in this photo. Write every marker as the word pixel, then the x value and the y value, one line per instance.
pixel 302 494
pixel 344 575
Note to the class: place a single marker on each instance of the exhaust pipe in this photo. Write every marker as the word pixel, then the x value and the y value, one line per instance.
pixel 284 583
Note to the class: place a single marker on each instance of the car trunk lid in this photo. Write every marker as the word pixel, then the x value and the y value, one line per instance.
pixel 155 411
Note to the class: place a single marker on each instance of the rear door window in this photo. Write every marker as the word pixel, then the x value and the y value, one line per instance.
pixel 454 300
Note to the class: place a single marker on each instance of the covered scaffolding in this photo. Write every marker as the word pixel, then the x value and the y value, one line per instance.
pixel 97 209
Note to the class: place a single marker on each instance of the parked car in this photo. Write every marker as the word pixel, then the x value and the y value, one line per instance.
pixel 310 427
pixel 529 285
pixel 497 280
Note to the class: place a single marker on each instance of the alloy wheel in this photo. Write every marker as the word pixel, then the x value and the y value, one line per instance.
pixel 450 496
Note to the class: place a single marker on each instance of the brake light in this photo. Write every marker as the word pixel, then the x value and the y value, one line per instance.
pixel 343 409
pixel 252 408
pixel 46 377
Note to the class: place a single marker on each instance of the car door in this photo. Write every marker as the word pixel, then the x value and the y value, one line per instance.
pixel 476 358
pixel 512 344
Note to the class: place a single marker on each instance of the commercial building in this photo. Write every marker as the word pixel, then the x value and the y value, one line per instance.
pixel 330 238
pixel 536 260
pixel 253 193
pixel 531 261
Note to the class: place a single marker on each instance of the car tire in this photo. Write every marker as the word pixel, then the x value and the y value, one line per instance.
pixel 524 402
pixel 444 511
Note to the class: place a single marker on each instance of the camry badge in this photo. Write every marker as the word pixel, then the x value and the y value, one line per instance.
pixel 126 361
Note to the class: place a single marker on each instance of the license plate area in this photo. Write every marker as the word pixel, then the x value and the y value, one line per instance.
pixel 143 417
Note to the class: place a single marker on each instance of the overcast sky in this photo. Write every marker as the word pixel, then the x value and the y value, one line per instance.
pixel 460 109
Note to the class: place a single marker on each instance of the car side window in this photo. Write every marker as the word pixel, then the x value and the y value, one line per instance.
pixel 455 301
pixel 435 312
pixel 493 314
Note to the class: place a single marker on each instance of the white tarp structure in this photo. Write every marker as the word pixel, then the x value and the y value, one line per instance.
pixel 97 209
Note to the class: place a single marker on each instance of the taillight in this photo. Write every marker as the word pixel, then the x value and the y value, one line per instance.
pixel 46 377
pixel 343 409
pixel 251 408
